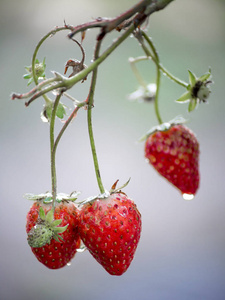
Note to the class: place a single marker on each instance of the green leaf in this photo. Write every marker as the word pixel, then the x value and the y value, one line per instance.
pixel 192 78
pixel 184 98
pixel 60 111
pixel 27 76
pixel 30 81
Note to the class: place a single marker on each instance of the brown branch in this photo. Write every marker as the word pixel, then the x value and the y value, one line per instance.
pixel 137 14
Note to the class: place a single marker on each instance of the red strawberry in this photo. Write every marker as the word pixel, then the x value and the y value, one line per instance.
pixel 54 254
pixel 110 229
pixel 174 153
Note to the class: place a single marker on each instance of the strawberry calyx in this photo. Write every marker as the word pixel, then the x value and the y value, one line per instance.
pixel 47 197
pixel 163 127
pixel 91 199
pixel 115 190
pixel 197 90
pixel 106 194
pixel 45 229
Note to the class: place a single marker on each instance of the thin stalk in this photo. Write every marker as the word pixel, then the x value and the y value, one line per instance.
pixel 66 124
pixel 158 76
pixel 140 79
pixel 52 32
pixel 158 81
pixel 89 119
pixel 53 151
pixel 165 71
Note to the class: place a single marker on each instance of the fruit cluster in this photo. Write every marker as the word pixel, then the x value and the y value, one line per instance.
pixel 109 227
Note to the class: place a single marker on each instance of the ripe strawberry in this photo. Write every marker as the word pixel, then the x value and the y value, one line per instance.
pixel 54 253
pixel 110 229
pixel 174 153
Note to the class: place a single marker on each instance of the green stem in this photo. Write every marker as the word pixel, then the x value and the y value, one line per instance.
pixel 158 81
pixel 165 71
pixel 158 74
pixel 67 83
pixel 53 150
pixel 89 118
pixel 52 32
pixel 66 124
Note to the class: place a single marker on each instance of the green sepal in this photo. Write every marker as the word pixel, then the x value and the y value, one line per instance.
pixel 58 238
pixel 60 229
pixel 114 189
pixel 192 78
pixel 205 77
pixel 163 127
pixel 184 98
pixel 192 105
pixel 47 197
pixel 48 200
pixel 50 216
pixel 56 223
pixel 42 213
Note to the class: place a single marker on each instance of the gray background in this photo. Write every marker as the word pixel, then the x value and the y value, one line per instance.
pixel 181 251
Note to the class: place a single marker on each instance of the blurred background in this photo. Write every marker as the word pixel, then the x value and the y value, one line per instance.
pixel 181 252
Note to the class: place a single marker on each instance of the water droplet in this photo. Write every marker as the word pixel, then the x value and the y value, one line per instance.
pixel 188 196
pixel 68 264
pixel 82 248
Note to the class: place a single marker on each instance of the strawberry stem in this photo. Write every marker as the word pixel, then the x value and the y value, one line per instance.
pixel 90 101
pixel 157 62
pixel 53 150
pixel 155 58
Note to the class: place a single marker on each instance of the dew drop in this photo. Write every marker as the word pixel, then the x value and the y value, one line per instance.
pixel 188 196
pixel 82 247
pixel 68 264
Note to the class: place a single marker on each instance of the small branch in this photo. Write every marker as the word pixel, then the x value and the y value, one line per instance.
pixel 65 83
pixel 51 33
pixel 34 90
pixel 139 12
pixel 107 24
